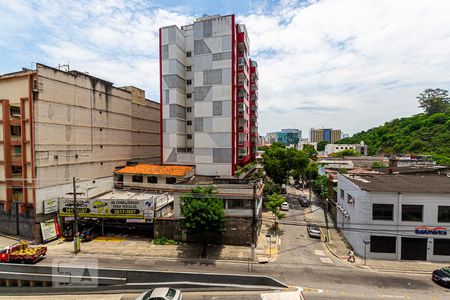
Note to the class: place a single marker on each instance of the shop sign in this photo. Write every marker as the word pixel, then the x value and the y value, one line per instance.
pixel 103 208
pixel 50 206
pixel 431 230
pixel 50 230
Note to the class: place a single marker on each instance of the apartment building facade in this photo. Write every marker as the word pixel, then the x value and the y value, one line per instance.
pixel 56 125
pixel 205 88
pixel 325 134
pixel 289 136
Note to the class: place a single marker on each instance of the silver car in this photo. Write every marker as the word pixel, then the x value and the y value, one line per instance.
pixel 313 230
pixel 161 294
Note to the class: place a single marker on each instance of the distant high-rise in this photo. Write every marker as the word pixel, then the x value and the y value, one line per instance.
pixel 209 91
pixel 289 136
pixel 325 134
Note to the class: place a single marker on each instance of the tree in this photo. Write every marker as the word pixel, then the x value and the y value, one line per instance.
pixel 273 204
pixel 321 186
pixel 310 151
pixel 378 165
pixel 321 145
pixel 203 213
pixel 434 101
pixel 280 162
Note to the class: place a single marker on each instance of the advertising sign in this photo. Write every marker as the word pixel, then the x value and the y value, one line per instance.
pixel 103 208
pixel 431 230
pixel 50 206
pixel 49 230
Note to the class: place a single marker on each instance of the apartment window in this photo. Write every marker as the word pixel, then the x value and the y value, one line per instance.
pixel 383 212
pixel 189 109
pixel 16 170
pixel 412 213
pixel 189 68
pixel 444 214
pixel 441 246
pixel 15 131
pixel 189 95
pixel 189 82
pixel 383 244
pixel 350 198
pixel 17 194
pixel 189 137
pixel 137 178
pixel 189 123
pixel 14 111
pixel 342 193
pixel 188 54
pixel 237 204
pixel 171 180
pixel 152 179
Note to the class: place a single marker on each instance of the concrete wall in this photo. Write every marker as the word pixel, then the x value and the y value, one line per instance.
pixel 238 231
pixel 360 226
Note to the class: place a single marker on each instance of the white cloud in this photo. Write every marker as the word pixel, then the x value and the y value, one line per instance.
pixel 347 64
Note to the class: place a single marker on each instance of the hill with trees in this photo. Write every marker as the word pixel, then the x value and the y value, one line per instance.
pixel 427 133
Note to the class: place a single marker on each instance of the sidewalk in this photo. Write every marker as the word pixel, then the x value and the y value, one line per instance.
pixel 144 248
pixel 339 248
pixel 267 248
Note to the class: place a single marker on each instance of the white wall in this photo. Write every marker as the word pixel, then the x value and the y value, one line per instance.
pixel 360 226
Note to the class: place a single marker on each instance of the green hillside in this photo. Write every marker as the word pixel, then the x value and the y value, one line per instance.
pixel 419 134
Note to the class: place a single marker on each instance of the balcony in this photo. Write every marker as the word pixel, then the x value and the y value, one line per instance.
pixel 243 129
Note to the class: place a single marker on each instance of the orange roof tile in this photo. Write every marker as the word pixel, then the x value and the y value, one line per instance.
pixel 148 169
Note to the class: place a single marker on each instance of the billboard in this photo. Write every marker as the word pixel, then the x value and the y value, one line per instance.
pixel 50 230
pixel 104 208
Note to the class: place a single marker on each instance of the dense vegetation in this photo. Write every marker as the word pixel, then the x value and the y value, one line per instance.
pixel 426 133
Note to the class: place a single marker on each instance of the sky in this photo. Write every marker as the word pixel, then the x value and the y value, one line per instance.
pixel 344 64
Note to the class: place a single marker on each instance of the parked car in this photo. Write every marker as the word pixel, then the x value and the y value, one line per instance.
pixel 161 294
pixel 442 276
pixel 88 234
pixel 284 206
pixel 285 295
pixel 313 230
pixel 304 202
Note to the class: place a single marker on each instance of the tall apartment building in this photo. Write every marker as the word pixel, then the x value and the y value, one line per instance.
pixel 55 125
pixel 206 90
pixel 325 134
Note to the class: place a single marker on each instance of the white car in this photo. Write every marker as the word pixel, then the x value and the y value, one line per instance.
pixel 161 294
pixel 284 206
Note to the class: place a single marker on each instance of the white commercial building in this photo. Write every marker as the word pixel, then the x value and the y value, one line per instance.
pixel 399 217
pixel 333 148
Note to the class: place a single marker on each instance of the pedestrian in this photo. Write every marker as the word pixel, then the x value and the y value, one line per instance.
pixel 351 256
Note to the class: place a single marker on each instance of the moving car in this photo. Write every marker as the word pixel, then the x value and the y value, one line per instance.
pixel 304 202
pixel 284 206
pixel 161 293
pixel 286 295
pixel 313 230
pixel 442 276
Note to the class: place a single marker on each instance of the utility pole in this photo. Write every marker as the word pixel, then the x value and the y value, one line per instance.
pixel 75 233
pixel 326 219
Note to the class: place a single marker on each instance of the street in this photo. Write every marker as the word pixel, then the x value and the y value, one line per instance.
pixel 301 261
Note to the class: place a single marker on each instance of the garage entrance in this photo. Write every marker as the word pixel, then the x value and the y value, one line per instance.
pixel 414 248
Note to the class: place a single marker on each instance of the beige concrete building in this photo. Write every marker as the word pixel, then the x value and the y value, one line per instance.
pixel 55 125
pixel 325 134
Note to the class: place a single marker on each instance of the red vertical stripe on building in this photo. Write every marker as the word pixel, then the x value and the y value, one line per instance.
pixel 160 100
pixel 233 97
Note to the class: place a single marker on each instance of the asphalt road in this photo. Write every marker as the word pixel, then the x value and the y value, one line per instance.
pixel 304 262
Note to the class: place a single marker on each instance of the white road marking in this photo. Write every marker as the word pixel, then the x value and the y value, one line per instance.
pixel 326 260
pixel 319 252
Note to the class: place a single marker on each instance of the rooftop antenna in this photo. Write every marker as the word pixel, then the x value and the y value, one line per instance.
pixel 65 66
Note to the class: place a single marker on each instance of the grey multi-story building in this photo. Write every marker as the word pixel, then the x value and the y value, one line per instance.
pixel 325 134
pixel 205 95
